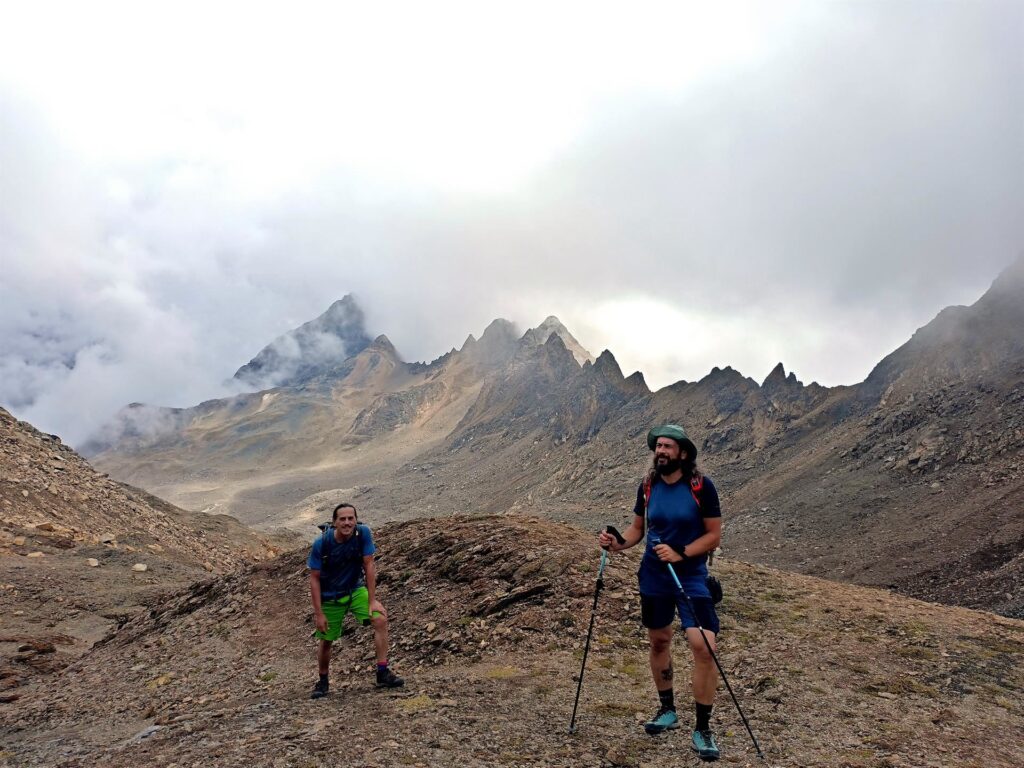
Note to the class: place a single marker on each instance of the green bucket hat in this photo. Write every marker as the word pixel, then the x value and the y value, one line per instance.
pixel 675 432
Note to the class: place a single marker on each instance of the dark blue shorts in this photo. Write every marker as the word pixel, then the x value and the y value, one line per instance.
pixel 657 612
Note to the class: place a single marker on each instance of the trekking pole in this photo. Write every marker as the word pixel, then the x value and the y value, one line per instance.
pixel 707 643
pixel 590 631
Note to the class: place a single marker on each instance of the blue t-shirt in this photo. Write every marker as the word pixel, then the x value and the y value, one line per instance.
pixel 344 569
pixel 674 518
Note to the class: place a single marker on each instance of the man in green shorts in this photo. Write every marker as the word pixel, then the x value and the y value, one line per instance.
pixel 343 579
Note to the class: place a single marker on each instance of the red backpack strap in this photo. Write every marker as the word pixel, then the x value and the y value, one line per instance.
pixel 696 486
pixel 648 479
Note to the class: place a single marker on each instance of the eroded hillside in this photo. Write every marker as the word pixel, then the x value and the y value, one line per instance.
pixel 80 553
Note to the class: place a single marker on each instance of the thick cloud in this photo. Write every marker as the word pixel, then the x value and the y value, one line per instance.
pixel 817 187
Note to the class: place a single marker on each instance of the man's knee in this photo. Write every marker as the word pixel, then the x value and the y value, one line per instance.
pixel 379 621
pixel 701 654
pixel 660 641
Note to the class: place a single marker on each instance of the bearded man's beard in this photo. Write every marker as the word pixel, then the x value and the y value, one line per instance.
pixel 668 466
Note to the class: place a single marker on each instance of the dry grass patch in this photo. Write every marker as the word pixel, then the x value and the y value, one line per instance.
pixel 416 703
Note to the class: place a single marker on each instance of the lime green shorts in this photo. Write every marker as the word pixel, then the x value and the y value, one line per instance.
pixel 357 601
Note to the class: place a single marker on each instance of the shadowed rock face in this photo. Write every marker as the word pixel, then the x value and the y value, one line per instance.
pixel 310 349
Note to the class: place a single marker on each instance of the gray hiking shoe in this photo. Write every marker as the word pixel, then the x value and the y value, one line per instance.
pixel 320 689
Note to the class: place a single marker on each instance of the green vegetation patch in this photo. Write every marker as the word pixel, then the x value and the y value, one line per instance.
pixel 416 703
pixel 503 673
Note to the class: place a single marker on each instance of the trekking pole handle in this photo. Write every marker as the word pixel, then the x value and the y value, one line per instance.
pixel 611 530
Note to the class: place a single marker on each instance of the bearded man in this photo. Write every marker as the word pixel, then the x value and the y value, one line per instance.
pixel 679 508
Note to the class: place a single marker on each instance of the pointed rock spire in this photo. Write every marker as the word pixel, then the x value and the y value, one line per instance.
pixel 310 349
pixel 552 326
pixel 608 366
pixel 774 378
pixel 383 345
pixel 637 382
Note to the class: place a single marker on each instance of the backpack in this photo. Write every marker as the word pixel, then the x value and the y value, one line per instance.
pixel 696 486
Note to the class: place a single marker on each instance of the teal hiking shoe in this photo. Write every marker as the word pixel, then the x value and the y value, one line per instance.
pixel 664 720
pixel 704 745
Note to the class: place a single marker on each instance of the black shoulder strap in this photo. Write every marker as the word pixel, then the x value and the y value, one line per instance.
pixel 326 545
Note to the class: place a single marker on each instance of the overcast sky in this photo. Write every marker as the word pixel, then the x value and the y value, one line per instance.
pixel 686 185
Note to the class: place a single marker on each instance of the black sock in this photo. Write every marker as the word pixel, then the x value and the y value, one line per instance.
pixel 323 678
pixel 703 715
pixel 667 699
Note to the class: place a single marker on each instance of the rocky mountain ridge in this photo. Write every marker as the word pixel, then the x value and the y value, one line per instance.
pixel 910 479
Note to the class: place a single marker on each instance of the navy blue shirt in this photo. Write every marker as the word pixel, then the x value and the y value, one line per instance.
pixel 675 518
pixel 344 568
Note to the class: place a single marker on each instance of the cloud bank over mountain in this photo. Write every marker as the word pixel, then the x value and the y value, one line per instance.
pixel 813 195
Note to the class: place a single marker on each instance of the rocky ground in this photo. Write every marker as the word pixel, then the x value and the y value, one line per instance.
pixel 81 554
pixel 489 617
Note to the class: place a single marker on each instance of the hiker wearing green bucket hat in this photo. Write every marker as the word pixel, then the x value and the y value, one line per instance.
pixel 677 508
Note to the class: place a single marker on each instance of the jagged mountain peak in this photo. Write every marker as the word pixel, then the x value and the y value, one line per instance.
pixel 778 373
pixel 728 372
pixel 558 353
pixel 637 381
pixel 552 323
pixel 552 326
pixel 383 344
pixel 778 379
pixel 607 368
pixel 499 327
pixel 343 307
pixel 496 345
pixel 309 350
pixel 607 364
